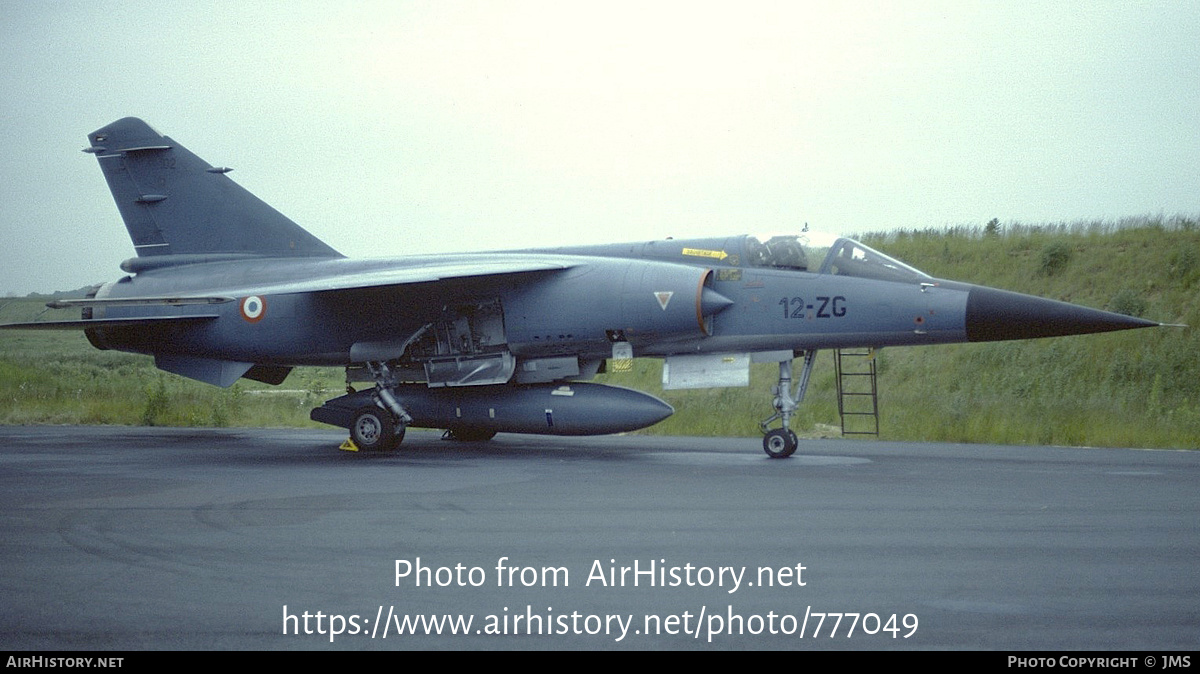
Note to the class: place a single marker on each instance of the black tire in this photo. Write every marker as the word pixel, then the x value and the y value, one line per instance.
pixel 374 429
pixel 780 443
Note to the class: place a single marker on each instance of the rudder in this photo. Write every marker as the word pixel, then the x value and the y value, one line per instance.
pixel 175 203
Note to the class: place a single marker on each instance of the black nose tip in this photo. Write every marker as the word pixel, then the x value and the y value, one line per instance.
pixel 995 315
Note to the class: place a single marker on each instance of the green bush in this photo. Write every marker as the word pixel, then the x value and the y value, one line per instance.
pixel 157 403
pixel 1054 258
pixel 1127 302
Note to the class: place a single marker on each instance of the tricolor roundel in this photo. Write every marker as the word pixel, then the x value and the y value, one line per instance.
pixel 253 308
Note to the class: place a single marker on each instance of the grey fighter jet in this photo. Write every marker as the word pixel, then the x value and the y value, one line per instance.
pixel 223 287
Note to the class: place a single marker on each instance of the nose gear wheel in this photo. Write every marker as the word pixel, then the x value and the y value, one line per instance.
pixel 782 442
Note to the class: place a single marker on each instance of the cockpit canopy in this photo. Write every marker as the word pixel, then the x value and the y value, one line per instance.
pixel 822 253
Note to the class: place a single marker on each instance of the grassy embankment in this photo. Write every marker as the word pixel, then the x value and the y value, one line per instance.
pixel 1138 388
pixel 56 377
pixel 1135 389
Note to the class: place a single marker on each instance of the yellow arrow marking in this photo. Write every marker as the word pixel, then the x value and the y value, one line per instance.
pixel 700 252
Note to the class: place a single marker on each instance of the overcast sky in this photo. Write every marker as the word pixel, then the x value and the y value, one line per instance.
pixel 390 128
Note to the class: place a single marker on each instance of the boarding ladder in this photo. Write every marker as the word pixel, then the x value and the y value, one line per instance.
pixel 858 394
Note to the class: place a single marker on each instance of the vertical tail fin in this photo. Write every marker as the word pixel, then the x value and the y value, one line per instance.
pixel 175 203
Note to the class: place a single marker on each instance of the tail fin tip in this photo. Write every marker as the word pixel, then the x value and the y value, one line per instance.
pixel 175 203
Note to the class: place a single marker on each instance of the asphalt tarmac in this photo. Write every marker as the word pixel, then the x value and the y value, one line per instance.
pixel 120 538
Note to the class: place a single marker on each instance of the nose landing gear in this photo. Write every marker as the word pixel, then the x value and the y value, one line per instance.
pixel 781 442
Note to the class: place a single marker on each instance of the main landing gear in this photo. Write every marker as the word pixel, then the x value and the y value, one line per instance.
pixel 380 426
pixel 781 442
pixel 374 428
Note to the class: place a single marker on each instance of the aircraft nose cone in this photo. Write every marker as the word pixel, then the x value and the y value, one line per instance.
pixel 995 315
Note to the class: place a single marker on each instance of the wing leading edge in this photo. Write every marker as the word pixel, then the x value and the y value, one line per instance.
pixel 84 324
pixel 407 275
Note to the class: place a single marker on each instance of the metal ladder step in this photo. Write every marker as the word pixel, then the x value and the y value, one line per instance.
pixel 850 366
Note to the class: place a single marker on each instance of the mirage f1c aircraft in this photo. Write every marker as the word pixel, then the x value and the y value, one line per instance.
pixel 223 287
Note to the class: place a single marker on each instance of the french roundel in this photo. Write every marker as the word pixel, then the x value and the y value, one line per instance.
pixel 253 308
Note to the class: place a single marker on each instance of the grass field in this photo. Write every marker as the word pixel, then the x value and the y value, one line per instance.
pixel 1131 389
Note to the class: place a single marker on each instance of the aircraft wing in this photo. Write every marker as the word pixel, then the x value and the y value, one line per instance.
pixel 281 277
pixel 319 277
pixel 405 275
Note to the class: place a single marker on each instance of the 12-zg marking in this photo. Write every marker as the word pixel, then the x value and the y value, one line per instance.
pixel 825 307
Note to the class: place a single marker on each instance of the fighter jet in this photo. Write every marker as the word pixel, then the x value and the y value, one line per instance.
pixel 225 287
